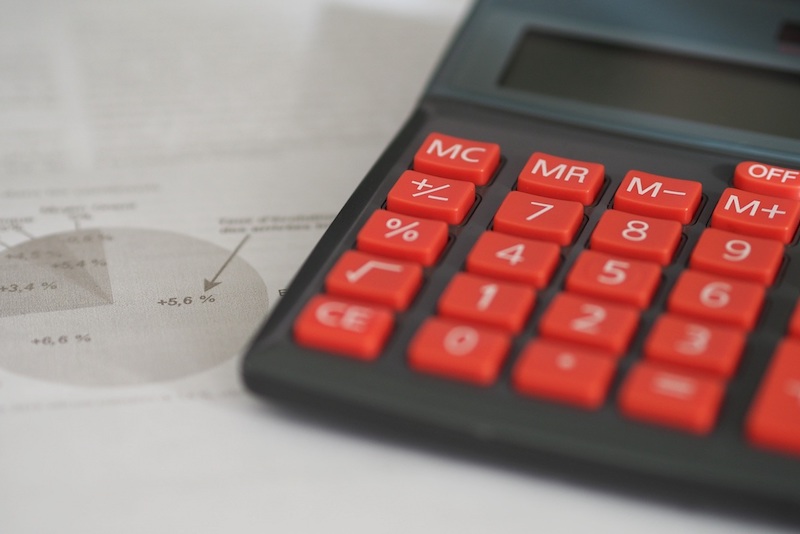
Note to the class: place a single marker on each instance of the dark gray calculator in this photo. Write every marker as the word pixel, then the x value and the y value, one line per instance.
pixel 580 250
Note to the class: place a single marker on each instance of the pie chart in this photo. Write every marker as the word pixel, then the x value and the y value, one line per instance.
pixel 124 306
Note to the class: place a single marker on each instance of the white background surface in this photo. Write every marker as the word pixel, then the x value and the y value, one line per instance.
pixel 234 108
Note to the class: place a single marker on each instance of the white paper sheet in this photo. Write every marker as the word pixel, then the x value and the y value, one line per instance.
pixel 165 166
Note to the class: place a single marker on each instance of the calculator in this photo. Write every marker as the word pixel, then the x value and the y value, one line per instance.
pixel 580 252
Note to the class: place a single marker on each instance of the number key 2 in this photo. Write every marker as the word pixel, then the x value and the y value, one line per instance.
pixel 595 323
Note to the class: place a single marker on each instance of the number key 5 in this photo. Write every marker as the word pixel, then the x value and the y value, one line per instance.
pixel 609 277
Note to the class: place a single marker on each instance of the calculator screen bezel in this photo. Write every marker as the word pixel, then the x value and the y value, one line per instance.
pixel 746 37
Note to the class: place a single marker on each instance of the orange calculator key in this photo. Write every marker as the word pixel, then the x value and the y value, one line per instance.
pixel 590 322
pixel 736 255
pixel 483 300
pixel 636 236
pixel 670 397
pixel 767 179
pixel 363 276
pixel 457 350
pixel 794 322
pixel 773 421
pixel 756 215
pixel 567 179
pixel 701 346
pixel 456 158
pixel 658 196
pixel 344 327
pixel 429 196
pixel 717 299
pixel 564 372
pixel 539 217
pixel 403 237
pixel 613 278
pixel 514 258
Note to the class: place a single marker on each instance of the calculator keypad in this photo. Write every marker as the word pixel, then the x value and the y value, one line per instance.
pixel 375 279
pixel 703 346
pixel 514 258
pixel 774 420
pixel 424 195
pixel 460 159
pixel 344 327
pixel 403 237
pixel 671 397
pixel 538 217
pixel 482 300
pixel 770 180
pixel 637 236
pixel 564 372
pixel 562 178
pixel 757 215
pixel 737 256
pixel 572 355
pixel 608 277
pixel 459 350
pixel 658 196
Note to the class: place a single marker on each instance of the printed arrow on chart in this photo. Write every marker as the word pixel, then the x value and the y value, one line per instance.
pixel 213 282
pixel 355 276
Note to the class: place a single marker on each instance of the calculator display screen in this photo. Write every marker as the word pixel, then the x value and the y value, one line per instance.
pixel 601 73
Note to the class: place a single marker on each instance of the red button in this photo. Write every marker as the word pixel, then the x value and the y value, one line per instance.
pixel 505 305
pixel 460 159
pixel 403 237
pixel 773 421
pixel 636 236
pixel 658 196
pixel 567 179
pixel 451 349
pixel 578 319
pixel 672 398
pixel 717 299
pixel 794 323
pixel 703 347
pixel 539 217
pixel 767 179
pixel 424 195
pixel 514 258
pixel 756 215
pixel 745 257
pixel 375 279
pixel 343 327
pixel 564 373
pixel 612 278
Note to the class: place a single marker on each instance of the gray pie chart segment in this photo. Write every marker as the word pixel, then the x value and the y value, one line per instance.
pixel 123 306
